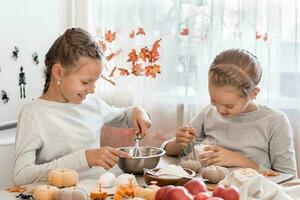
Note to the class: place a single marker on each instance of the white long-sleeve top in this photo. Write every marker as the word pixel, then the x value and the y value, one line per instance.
pixel 55 135
pixel 263 135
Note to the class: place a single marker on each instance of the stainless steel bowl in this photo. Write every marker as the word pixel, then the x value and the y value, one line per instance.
pixel 149 159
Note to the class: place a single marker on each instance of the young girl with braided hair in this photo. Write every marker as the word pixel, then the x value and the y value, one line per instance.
pixel 247 134
pixel 61 129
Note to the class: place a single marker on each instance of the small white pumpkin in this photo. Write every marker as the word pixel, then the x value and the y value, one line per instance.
pixel 63 177
pixel 194 165
pixel 71 194
pixel 107 180
pixel 45 192
pixel 214 174
pixel 124 179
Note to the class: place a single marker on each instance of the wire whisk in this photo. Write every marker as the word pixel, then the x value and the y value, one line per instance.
pixel 136 150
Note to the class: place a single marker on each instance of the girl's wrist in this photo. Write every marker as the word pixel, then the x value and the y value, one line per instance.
pixel 89 157
pixel 247 163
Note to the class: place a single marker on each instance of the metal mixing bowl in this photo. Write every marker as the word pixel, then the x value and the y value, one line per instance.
pixel 149 159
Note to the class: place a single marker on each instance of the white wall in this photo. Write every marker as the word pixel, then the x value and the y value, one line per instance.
pixel 7 139
pixel 32 26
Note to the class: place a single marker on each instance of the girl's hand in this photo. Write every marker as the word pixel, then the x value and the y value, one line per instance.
pixel 140 120
pixel 215 155
pixel 105 157
pixel 184 136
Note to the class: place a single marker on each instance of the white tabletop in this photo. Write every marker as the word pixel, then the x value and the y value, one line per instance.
pixel 89 184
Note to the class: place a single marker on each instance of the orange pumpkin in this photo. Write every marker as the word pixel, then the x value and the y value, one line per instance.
pixel 63 177
pixel 45 192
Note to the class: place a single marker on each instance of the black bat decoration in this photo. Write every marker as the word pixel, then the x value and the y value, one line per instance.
pixel 35 58
pixel 4 97
pixel 24 196
pixel 15 53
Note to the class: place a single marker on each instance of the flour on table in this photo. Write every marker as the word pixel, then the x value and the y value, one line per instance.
pixel 172 170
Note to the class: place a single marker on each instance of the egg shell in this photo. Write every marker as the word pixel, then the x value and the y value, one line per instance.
pixel 107 180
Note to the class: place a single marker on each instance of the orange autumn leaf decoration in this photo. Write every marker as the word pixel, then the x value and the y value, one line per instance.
pixel 137 69
pixel 258 36
pixel 184 32
pixel 152 70
pixel 123 71
pixel 154 52
pixel 102 46
pixel 144 54
pixel 110 36
pixel 140 31
pixel 261 36
pixel 16 188
pixel 265 38
pixel 132 34
pixel 110 56
pixel 133 57
pixel 140 61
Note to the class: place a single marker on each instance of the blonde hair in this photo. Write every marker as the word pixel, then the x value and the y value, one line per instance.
pixel 68 48
pixel 235 67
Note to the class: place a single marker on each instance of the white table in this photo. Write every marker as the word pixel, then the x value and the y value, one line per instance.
pixel 89 184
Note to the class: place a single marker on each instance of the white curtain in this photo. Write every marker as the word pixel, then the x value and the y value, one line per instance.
pixel 193 32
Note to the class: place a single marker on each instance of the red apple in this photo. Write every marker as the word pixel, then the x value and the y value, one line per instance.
pixel 161 193
pixel 195 186
pixel 227 192
pixel 178 193
pixel 215 198
pixel 201 196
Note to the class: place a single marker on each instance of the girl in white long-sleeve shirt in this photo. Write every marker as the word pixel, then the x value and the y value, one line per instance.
pixel 61 129
pixel 247 134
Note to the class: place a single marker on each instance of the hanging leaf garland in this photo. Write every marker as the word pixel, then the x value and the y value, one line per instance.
pixel 142 61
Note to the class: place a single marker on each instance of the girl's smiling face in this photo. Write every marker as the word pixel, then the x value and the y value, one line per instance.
pixel 228 100
pixel 79 81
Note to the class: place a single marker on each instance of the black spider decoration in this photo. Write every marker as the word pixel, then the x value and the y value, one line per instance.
pixel 35 58
pixel 4 97
pixel 24 196
pixel 15 53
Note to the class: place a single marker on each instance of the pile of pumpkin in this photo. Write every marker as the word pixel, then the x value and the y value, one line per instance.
pixel 62 186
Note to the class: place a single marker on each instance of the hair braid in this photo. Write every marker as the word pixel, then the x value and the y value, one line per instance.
pixel 68 48
pixel 235 67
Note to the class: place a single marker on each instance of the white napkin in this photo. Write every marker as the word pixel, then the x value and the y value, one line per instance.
pixel 293 191
pixel 254 186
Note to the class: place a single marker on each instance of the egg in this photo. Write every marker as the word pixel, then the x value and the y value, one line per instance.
pixel 124 179
pixel 107 180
